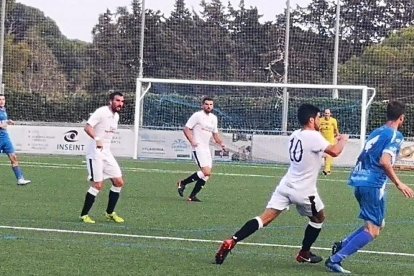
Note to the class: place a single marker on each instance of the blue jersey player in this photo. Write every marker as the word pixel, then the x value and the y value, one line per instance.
pixel 6 145
pixel 368 178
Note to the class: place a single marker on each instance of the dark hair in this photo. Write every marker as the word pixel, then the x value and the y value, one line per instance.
pixel 307 111
pixel 113 94
pixel 207 98
pixel 394 110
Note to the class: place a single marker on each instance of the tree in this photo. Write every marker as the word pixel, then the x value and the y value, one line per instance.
pixel 389 67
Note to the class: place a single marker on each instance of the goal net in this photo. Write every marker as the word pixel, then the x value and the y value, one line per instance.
pixel 250 115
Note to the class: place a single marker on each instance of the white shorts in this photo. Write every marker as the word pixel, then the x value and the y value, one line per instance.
pixel 306 204
pixel 103 167
pixel 203 158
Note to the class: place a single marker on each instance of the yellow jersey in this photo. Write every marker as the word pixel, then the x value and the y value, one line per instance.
pixel 329 128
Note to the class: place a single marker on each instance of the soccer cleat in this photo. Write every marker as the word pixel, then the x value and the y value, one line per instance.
pixel 336 247
pixel 193 199
pixel 326 172
pixel 308 257
pixel 23 181
pixel 114 217
pixel 87 219
pixel 224 250
pixel 335 267
pixel 180 188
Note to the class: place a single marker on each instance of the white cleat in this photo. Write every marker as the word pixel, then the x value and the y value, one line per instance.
pixel 23 181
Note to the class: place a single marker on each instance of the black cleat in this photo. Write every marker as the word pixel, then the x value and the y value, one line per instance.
pixel 180 188
pixel 193 199
pixel 308 257
pixel 336 247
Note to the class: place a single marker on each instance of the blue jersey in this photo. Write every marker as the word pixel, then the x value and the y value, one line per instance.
pixel 3 119
pixel 368 172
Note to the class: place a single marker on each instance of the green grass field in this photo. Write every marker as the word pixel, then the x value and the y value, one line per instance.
pixel 40 232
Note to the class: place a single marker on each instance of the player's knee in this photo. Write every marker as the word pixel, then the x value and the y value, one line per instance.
pixel 206 171
pixel 98 186
pixel 118 182
pixel 13 160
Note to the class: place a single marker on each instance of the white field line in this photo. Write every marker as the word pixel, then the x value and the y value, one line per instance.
pixel 92 233
pixel 148 170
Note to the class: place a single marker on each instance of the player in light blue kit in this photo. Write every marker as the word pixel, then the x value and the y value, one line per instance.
pixel 6 145
pixel 369 176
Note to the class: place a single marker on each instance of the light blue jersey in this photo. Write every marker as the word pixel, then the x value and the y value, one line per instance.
pixel 368 172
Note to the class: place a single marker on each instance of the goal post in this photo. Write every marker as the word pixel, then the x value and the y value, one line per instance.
pixel 247 108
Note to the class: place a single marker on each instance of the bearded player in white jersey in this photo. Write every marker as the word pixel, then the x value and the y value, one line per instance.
pixel 199 129
pixel 101 164
pixel 306 149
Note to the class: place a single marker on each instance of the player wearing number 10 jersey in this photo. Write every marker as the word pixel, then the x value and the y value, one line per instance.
pixel 298 187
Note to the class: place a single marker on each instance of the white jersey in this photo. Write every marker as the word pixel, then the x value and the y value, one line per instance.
pixel 306 150
pixel 105 123
pixel 203 126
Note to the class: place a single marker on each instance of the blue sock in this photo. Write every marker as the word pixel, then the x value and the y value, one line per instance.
pixel 357 242
pixel 352 235
pixel 18 172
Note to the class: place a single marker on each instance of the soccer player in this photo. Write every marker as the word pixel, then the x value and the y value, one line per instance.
pixel 100 162
pixel 298 186
pixel 369 177
pixel 329 130
pixel 199 129
pixel 6 144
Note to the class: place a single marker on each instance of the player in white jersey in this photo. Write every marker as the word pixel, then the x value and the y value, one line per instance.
pixel 199 129
pixel 298 187
pixel 101 164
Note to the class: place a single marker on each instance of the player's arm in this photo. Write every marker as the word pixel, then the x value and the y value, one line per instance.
pixel 91 133
pixel 189 135
pixel 335 150
pixel 218 140
pixel 386 163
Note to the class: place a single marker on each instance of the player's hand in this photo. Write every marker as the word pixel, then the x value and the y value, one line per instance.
pixel 342 137
pixel 99 144
pixel 407 191
pixel 194 144
pixel 10 122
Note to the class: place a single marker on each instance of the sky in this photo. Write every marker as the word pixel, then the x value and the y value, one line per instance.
pixel 76 18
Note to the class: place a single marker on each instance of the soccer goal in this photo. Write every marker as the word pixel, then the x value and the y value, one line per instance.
pixel 254 118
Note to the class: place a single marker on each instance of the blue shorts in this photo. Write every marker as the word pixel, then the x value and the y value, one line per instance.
pixel 372 203
pixel 6 146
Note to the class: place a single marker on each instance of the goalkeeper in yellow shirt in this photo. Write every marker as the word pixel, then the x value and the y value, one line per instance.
pixel 329 130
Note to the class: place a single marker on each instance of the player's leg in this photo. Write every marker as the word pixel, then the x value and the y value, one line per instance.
pixel 205 162
pixel 277 203
pixel 113 171
pixel 8 148
pixel 245 231
pixel 95 172
pixel 312 207
pixel 328 164
pixel 191 178
pixel 328 161
pixel 372 204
